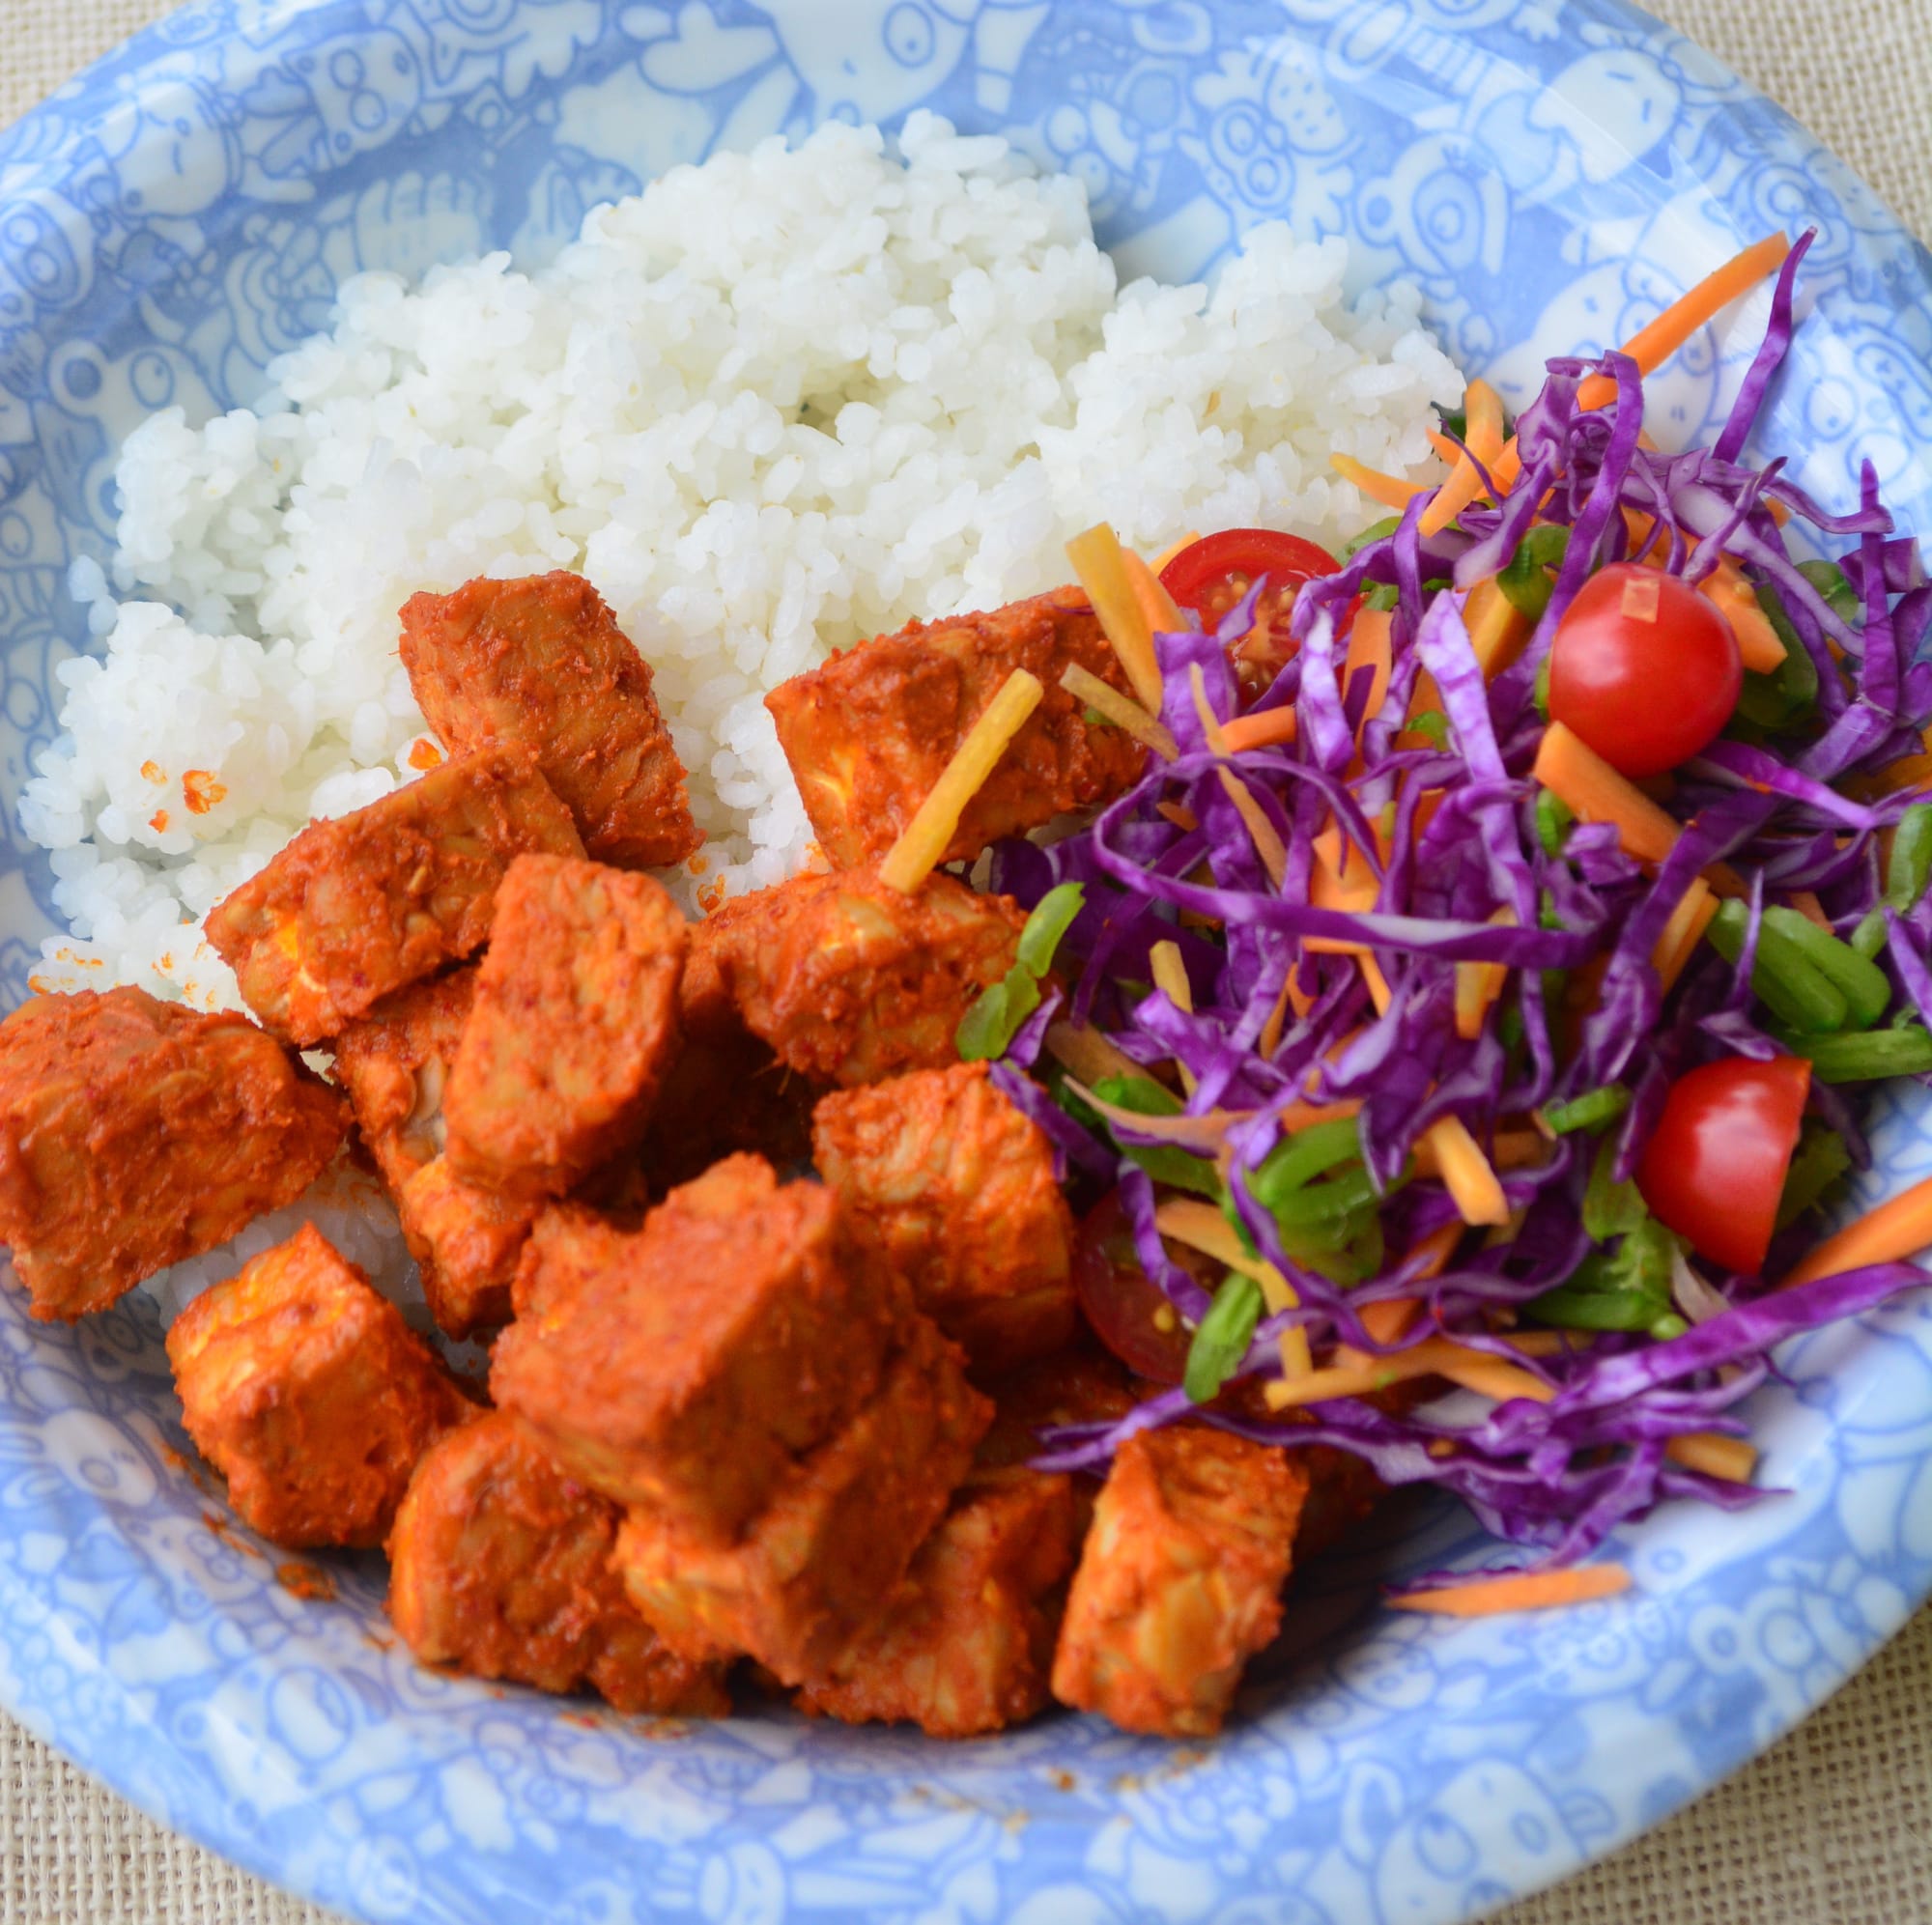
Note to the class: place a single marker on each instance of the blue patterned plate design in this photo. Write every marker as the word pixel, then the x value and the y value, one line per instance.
pixel 1548 174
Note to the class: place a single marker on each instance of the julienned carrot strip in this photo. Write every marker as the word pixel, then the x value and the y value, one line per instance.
pixel 1391 1321
pixel 1512 1149
pixel 1370 646
pixel 1293 997
pixel 1466 1174
pixel 1202 1227
pixel 1478 984
pixel 1172 549
pixel 1595 792
pixel 1650 347
pixel 1654 344
pixel 1811 908
pixel 1733 597
pixel 1497 628
pixel 1170 978
pixel 1204 711
pixel 1088 1054
pixel 1084 686
pixel 1155 603
pixel 1484 408
pixel 1262 730
pixel 1490 1377
pixel 1524 1591
pixel 1099 563
pixel 1682 934
pixel 1298 1116
pixel 922 841
pixel 1888 1235
pixel 1340 878
pixel 1268 842
pixel 1728 1457
pixel 1386 488
pixel 1363 1377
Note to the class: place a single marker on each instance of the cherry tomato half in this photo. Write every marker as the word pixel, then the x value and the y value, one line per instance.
pixel 1714 1169
pixel 1644 668
pixel 1210 577
pixel 1127 1313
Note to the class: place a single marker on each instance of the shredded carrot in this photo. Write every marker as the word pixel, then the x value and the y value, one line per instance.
pixel 1519 1591
pixel 1084 686
pixel 1268 842
pixel 1172 549
pixel 922 842
pixel 1391 1321
pixel 1678 944
pixel 1156 605
pixel 1170 978
pixel 1651 346
pixel 1200 1226
pixel 1298 1116
pixel 1262 730
pixel 1497 628
pixel 1289 996
pixel 1356 1375
pixel 1377 486
pixel 1512 1149
pixel 1734 598
pixel 1909 772
pixel 1484 409
pixel 1810 908
pixel 1595 792
pixel 1490 1377
pixel 1465 1171
pixel 1888 1235
pixel 1370 646
pixel 1716 1455
pixel 1210 723
pixel 1478 984
pixel 1342 879
pixel 1180 815
pixel 1100 564
pixel 1088 1054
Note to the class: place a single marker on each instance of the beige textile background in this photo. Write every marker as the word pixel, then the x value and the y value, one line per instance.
pixel 1833 1826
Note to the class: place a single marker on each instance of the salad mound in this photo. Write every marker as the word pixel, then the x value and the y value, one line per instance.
pixel 1477 983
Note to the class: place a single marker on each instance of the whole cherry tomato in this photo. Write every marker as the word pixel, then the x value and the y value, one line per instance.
pixel 1714 1169
pixel 1127 1313
pixel 1643 668
pixel 1210 577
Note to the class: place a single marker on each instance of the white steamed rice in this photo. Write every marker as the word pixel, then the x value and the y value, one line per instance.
pixel 773 406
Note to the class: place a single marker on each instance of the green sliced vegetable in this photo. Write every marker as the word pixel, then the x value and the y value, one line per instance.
pixel 1434 724
pixel 1611 1208
pixel 1625 1288
pixel 1542 690
pixel 1783 980
pixel 987 1029
pixel 1828 578
pixel 1298 1159
pixel 1591 1111
pixel 1222 1337
pixel 1553 818
pixel 1910 868
pixel 1861 983
pixel 1870 937
pixel 1376 532
pixel 1865 1056
pixel 1052 917
pixel 1820 1159
pixel 1785 697
pixel 1165 1162
pixel 1527 582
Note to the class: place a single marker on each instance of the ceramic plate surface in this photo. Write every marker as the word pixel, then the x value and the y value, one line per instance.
pixel 1548 175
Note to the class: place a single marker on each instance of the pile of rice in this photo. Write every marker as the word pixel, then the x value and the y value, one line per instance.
pixel 773 406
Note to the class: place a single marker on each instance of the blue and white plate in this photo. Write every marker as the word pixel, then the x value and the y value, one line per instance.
pixel 1549 173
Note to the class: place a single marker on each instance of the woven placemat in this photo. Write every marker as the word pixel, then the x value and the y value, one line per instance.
pixel 1833 1826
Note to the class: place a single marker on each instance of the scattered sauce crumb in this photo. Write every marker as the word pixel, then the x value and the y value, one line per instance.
pixel 711 895
pixel 224 1533
pixel 158 822
pixel 1062 1781
pixel 201 790
pixel 697 864
pixel 424 753
pixel 304 1580
pixel 380 1642
pixel 152 771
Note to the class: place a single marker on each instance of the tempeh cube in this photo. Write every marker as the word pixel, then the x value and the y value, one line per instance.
pixel 574 1022
pixel 501 1566
pixel 1179 1581
pixel 850 980
pixel 309 1393
pixel 816 1567
pixel 868 732
pixel 357 907
pixel 136 1133
pixel 541 661
pixel 955 1188
pixel 687 1366
pixel 966 1644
